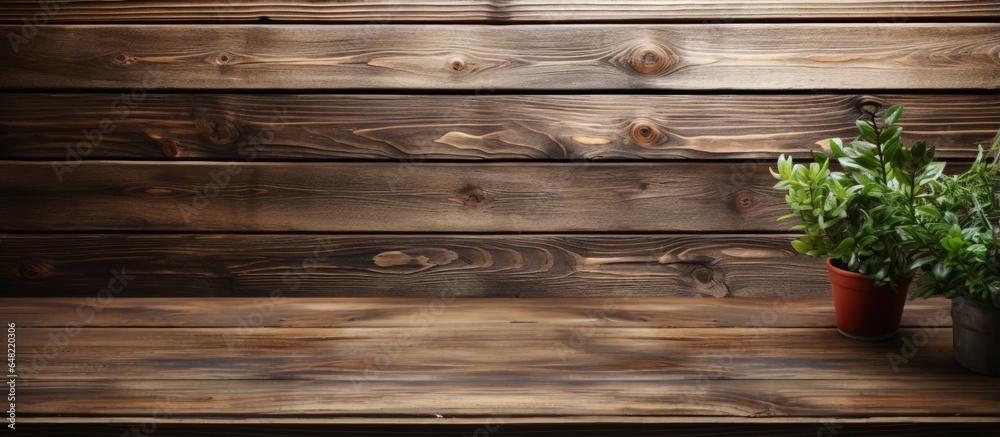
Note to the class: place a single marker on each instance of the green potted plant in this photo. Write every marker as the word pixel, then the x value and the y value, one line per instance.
pixel 956 242
pixel 853 217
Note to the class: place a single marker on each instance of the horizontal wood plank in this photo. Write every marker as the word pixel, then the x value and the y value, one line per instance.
pixel 572 363
pixel 409 266
pixel 482 353
pixel 506 426
pixel 558 313
pixel 518 394
pixel 485 127
pixel 485 58
pixel 559 400
pixel 492 11
pixel 394 197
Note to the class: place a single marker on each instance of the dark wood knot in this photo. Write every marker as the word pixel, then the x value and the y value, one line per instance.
pixel 645 134
pixel 124 59
pixel 457 64
pixel 224 58
pixel 652 60
pixel 869 105
pixel 218 130
pixel 170 149
pixel 745 202
pixel 703 275
pixel 153 191
pixel 33 270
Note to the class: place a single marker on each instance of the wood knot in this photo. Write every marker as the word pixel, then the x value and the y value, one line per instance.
pixel 170 149
pixel 994 54
pixel 745 201
pixel 645 134
pixel 219 131
pixel 472 201
pixel 147 191
pixel 155 191
pixel 703 275
pixel 124 59
pixel 652 60
pixel 457 64
pixel 223 58
pixel 869 105
pixel 470 196
pixel 426 257
pixel 32 270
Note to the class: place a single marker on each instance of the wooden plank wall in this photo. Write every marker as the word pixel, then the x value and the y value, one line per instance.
pixel 488 148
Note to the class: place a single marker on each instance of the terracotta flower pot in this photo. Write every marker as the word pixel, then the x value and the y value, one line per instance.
pixel 864 311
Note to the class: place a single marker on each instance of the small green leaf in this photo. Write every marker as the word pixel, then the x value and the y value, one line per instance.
pixel 867 131
pixel 978 249
pixel 890 134
pixel 892 114
pixel 940 271
pixel 922 261
pixel 837 147
pixel 820 157
pixel 801 247
pixel 842 248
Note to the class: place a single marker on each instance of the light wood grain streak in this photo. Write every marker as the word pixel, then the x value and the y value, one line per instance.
pixel 483 58
pixel 418 128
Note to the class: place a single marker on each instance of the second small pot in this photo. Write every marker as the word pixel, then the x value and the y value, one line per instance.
pixel 976 335
pixel 865 311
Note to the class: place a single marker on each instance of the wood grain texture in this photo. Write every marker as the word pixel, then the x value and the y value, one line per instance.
pixel 427 127
pixel 495 11
pixel 371 313
pixel 483 353
pixel 503 426
pixel 520 395
pixel 462 361
pixel 563 368
pixel 485 58
pixel 409 266
pixel 395 197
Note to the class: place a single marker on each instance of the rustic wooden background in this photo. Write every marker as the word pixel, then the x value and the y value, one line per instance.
pixel 494 148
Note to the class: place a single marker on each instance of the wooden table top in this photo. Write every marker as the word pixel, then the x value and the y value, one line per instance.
pixel 469 361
